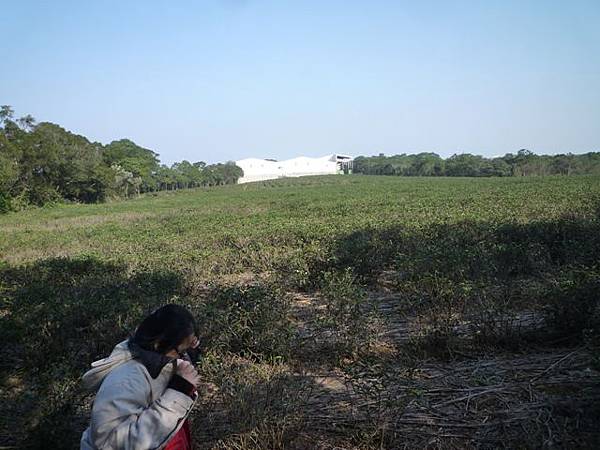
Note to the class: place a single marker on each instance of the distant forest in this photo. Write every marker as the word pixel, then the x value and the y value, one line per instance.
pixel 523 163
pixel 43 163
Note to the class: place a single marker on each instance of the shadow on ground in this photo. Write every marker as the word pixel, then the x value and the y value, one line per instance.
pixel 57 316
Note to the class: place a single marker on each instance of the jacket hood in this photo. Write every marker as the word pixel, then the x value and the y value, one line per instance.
pixel 124 351
pixel 153 361
pixel 93 378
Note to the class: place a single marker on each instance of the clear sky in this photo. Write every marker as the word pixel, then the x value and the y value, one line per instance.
pixel 218 80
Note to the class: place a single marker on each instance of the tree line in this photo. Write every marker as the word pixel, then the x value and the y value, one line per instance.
pixel 43 163
pixel 523 163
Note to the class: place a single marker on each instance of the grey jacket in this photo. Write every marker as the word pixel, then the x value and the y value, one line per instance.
pixel 134 407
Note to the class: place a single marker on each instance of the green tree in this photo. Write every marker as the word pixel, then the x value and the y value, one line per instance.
pixel 465 165
pixel 6 113
pixel 56 161
pixel 9 172
pixel 141 162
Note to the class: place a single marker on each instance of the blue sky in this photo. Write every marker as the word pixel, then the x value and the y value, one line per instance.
pixel 216 80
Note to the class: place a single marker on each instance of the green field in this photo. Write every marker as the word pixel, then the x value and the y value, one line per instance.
pixel 200 228
pixel 351 311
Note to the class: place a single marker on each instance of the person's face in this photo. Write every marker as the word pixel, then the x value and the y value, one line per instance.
pixel 190 341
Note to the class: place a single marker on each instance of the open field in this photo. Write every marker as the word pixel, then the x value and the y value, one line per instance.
pixel 349 312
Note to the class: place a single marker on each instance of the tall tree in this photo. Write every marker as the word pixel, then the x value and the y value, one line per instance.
pixel 140 161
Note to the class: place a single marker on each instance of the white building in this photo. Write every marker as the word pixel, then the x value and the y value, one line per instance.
pixel 256 169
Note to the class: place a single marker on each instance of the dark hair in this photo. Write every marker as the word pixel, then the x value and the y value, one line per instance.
pixel 165 328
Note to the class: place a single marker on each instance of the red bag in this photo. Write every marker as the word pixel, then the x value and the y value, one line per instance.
pixel 182 439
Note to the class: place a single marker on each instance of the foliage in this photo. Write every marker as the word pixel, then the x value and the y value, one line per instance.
pixel 43 164
pixel 140 162
pixel 251 321
pixel 347 320
pixel 524 163
pixel 573 304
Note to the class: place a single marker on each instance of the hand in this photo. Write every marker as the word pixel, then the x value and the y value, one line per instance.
pixel 193 354
pixel 186 370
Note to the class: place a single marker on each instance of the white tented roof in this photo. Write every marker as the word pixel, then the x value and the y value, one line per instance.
pixel 256 169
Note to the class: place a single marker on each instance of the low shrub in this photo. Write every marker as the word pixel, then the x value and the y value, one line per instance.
pixel 251 320
pixel 347 320
pixel 252 402
pixel 572 304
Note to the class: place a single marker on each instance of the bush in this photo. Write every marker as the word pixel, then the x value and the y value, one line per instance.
pixel 572 304
pixel 347 320
pixel 5 203
pixel 367 252
pixel 440 305
pixel 251 320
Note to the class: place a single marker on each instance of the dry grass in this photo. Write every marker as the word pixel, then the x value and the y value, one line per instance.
pixel 69 223
pixel 386 399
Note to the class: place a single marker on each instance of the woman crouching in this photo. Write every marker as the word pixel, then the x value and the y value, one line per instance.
pixel 146 387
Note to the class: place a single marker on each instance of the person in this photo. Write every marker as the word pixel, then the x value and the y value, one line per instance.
pixel 146 387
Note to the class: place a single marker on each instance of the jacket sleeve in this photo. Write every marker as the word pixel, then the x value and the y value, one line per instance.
pixel 121 418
